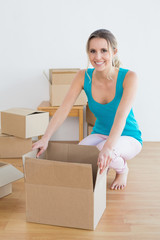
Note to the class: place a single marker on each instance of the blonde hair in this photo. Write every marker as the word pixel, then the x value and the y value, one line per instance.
pixel 111 40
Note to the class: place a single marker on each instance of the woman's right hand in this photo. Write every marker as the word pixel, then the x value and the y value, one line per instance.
pixel 41 145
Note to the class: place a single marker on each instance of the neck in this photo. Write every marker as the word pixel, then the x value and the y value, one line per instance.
pixel 107 74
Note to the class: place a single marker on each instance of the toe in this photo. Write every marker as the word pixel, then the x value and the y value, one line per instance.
pixel 113 186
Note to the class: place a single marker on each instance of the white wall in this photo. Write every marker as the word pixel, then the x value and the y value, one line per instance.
pixel 36 35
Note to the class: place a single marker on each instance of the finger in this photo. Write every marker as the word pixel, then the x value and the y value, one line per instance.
pixel 102 170
pixel 108 162
pixel 40 152
pixel 101 164
pixel 98 161
pixel 34 146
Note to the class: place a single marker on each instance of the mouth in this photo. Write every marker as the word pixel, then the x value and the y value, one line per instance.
pixel 99 63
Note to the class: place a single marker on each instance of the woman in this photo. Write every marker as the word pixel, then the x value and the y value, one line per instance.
pixel 110 91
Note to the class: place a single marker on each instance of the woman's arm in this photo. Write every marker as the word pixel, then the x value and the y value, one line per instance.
pixel 62 112
pixel 130 85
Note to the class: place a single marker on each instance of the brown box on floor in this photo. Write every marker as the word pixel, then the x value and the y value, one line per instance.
pixel 24 122
pixel 64 187
pixel 13 147
pixel 8 174
pixel 59 84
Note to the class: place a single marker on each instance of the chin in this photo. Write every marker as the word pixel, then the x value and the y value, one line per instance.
pixel 100 68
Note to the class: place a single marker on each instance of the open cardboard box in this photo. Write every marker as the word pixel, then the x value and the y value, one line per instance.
pixel 13 147
pixel 59 84
pixel 24 122
pixel 64 186
pixel 8 174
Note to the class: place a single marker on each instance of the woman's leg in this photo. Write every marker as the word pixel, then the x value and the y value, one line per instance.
pixel 93 139
pixel 125 149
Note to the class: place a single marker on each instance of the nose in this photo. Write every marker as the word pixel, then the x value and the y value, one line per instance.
pixel 98 56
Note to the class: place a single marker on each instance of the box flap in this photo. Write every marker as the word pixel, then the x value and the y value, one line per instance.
pixel 22 111
pixel 62 76
pixel 31 154
pixel 74 153
pixel 99 176
pixel 9 174
pixel 99 196
pixel 59 174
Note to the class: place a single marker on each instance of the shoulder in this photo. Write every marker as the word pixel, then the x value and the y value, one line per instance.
pixel 131 79
pixel 81 73
pixel 80 76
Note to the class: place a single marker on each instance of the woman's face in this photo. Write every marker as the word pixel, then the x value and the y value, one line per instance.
pixel 99 54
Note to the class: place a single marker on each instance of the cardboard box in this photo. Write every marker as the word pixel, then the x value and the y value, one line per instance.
pixel 8 174
pixel 64 187
pixel 90 118
pixel 59 84
pixel 89 129
pixel 13 147
pixel 23 122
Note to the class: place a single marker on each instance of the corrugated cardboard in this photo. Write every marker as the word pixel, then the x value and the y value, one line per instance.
pixel 8 174
pixel 13 147
pixel 59 84
pixel 90 118
pixel 23 122
pixel 64 187
pixel 62 75
pixel 89 129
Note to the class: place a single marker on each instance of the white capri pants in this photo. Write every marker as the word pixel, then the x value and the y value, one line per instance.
pixel 125 149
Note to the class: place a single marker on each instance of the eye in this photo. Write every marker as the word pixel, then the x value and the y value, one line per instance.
pixel 104 50
pixel 92 51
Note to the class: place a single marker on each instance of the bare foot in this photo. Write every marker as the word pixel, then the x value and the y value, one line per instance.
pixel 120 181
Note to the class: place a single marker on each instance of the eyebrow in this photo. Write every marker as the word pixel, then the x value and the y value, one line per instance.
pixel 100 49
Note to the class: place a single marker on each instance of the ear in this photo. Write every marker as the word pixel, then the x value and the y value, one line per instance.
pixel 115 51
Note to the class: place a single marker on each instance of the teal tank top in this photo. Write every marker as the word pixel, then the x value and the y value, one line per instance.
pixel 105 113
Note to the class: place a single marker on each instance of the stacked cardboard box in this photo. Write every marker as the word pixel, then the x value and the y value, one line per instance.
pixel 59 84
pixel 67 189
pixel 24 123
pixel 90 118
pixel 18 126
pixel 13 147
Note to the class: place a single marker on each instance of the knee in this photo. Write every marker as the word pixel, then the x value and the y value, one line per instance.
pixel 100 145
pixel 84 142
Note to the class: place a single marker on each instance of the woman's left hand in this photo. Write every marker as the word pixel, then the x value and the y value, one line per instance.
pixel 104 159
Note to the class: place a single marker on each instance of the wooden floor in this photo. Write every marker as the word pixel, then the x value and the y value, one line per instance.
pixel 133 213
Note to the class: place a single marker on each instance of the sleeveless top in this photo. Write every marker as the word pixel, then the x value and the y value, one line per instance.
pixel 105 113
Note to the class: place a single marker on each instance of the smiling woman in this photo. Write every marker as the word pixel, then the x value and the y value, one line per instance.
pixel 110 91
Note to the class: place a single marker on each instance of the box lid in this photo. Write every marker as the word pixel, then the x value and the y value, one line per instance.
pixel 9 174
pixel 22 111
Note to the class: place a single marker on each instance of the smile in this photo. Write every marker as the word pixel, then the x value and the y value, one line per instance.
pixel 99 63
